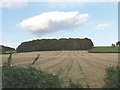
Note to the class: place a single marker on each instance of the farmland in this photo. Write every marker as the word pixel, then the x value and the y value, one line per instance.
pixel 8 52
pixel 76 65
pixel 103 49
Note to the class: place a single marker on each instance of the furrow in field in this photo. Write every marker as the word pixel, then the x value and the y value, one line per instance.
pixel 71 58
pixel 103 54
pixel 75 69
pixel 103 59
pixel 25 59
pixel 90 62
pixel 63 65
pixel 58 53
pixel 107 61
pixel 106 55
pixel 61 59
pixel 49 53
pixel 54 53
pixel 87 65
pixel 21 57
pixel 80 67
pixel 47 59
pixel 54 65
pixel 66 65
pixel 74 53
pixel 70 66
pixel 92 73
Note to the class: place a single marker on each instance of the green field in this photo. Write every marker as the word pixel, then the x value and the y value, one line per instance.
pixel 105 49
pixel 8 52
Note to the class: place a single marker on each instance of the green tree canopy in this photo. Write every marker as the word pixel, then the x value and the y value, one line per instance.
pixel 55 44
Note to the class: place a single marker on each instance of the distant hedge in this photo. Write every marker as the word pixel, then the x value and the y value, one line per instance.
pixel 55 44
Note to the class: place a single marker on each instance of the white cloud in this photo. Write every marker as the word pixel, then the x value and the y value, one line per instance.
pixel 102 26
pixel 50 22
pixel 14 3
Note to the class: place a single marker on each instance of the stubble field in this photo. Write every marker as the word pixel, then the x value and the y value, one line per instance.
pixel 80 66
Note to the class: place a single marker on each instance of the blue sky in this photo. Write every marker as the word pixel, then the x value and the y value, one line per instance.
pixel 101 26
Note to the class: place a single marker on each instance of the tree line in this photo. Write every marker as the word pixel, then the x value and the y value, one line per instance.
pixel 55 44
pixel 3 49
pixel 117 44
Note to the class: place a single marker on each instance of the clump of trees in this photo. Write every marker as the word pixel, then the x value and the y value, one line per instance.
pixel 3 49
pixel 55 44
pixel 113 45
pixel 118 43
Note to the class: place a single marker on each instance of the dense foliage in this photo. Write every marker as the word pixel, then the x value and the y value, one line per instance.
pixel 17 77
pixel 118 43
pixel 112 77
pixel 4 49
pixel 54 44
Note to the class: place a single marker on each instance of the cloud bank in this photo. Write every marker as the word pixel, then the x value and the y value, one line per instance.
pixel 102 26
pixel 14 3
pixel 55 21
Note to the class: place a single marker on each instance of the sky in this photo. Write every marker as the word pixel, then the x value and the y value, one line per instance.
pixel 37 20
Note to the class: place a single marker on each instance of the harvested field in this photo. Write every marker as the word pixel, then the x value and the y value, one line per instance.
pixel 87 68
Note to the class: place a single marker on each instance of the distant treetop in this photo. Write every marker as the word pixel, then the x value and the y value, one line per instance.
pixel 3 49
pixel 55 44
